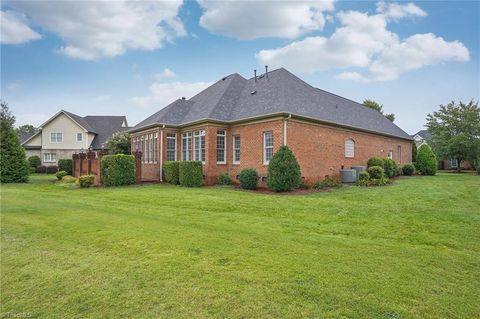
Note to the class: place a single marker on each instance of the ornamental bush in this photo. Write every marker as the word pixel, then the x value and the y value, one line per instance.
pixel 328 182
pixel 66 165
pixel 224 179
pixel 61 174
pixel 117 170
pixel 86 181
pixel 248 178
pixel 42 169
pixel 171 172
pixel 283 171
pixel 14 167
pixel 51 169
pixel 390 167
pixel 190 173
pixel 69 179
pixel 375 161
pixel 363 176
pixel 408 169
pixel 426 160
pixel 376 172
pixel 34 161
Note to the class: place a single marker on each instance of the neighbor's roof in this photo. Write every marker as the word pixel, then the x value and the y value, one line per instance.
pixel 234 98
pixel 423 134
pixel 103 126
pixel 25 136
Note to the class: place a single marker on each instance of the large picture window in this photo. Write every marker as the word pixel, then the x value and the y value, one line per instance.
pixel 187 146
pixel 349 148
pixel 267 147
pixel 155 147
pixel 236 149
pixel 199 145
pixel 56 137
pixel 221 146
pixel 171 146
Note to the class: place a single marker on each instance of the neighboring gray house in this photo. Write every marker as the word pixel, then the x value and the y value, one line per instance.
pixel 66 133
pixel 421 137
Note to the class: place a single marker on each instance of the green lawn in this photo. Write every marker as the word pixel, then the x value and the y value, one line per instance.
pixel 411 250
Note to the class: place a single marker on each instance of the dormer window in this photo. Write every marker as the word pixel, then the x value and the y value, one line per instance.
pixel 79 137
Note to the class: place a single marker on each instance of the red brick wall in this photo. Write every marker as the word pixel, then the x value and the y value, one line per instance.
pixel 320 150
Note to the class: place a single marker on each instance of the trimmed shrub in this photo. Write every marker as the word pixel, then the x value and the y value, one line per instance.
pixel 328 182
pixel 363 176
pixel 190 173
pixel 408 169
pixel 86 181
pixel 248 178
pixel 42 169
pixel 117 170
pixel 283 171
pixel 390 167
pixel 69 179
pixel 426 161
pixel 224 179
pixel 61 174
pixel 33 170
pixel 375 161
pixel 66 165
pixel 305 185
pixel 399 171
pixel 379 181
pixel 376 172
pixel 52 169
pixel 171 172
pixel 414 152
pixel 34 161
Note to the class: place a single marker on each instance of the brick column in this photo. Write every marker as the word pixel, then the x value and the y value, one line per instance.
pixel 90 157
pixel 75 158
pixel 82 157
pixel 138 166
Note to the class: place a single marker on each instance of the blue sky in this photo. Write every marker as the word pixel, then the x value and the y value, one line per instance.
pixel 89 58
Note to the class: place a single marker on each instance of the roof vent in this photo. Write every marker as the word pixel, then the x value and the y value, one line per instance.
pixel 183 98
pixel 224 78
pixel 253 92
pixel 261 76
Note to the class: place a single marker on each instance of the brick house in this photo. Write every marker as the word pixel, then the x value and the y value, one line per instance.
pixel 238 123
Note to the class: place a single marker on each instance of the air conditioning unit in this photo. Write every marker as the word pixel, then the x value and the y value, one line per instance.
pixel 348 175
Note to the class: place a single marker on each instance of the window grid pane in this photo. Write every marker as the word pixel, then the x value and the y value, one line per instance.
pixel 349 148
pixel 186 146
pixel 236 149
pixel 171 146
pixel 268 146
pixel 221 136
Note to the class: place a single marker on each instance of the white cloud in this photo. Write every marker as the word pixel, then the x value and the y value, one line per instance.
pixel 93 30
pixel 15 29
pixel 166 73
pixel 397 11
pixel 363 41
pixel 162 94
pixel 258 19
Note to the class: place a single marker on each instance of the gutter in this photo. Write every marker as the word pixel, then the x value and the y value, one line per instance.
pixel 285 129
pixel 161 153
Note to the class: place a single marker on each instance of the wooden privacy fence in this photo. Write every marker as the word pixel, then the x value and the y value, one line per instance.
pixel 89 164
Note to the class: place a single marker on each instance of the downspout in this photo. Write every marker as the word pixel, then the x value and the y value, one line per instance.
pixel 285 129
pixel 161 153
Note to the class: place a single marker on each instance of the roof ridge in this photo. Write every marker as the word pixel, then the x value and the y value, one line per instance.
pixel 234 76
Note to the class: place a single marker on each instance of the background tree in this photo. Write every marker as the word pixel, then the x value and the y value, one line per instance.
pixel 414 152
pixel 119 143
pixel 14 168
pixel 378 107
pixel 455 132
pixel 27 128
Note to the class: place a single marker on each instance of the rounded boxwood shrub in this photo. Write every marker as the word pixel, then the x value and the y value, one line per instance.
pixel 52 169
pixel 61 174
pixel 42 169
pixel 390 167
pixel 363 176
pixel 426 160
pixel 34 161
pixel 248 178
pixel 190 173
pixel 375 161
pixel 69 179
pixel 66 165
pixel 224 179
pixel 284 171
pixel 171 172
pixel 117 170
pixel 408 169
pixel 376 172
pixel 86 181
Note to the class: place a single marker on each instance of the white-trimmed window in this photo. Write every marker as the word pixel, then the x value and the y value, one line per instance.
pixel 390 154
pixel 349 148
pixel 49 157
pixel 56 137
pixel 221 146
pixel 399 151
pixel 236 149
pixel 155 147
pixel 79 137
pixel 150 148
pixel 267 147
pixel 187 146
pixel 452 163
pixel 143 148
pixel 199 145
pixel 171 146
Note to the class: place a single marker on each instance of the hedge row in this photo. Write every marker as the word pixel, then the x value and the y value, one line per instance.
pixel 171 172
pixel 190 173
pixel 65 165
pixel 117 170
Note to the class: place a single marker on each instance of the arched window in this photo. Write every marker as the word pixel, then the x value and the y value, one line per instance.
pixel 349 148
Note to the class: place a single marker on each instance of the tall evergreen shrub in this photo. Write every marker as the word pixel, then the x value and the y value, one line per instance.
pixel 284 171
pixel 117 170
pixel 426 161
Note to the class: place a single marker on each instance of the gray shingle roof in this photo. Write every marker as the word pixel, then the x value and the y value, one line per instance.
pixel 423 134
pixel 23 136
pixel 80 120
pixel 231 99
pixel 104 127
